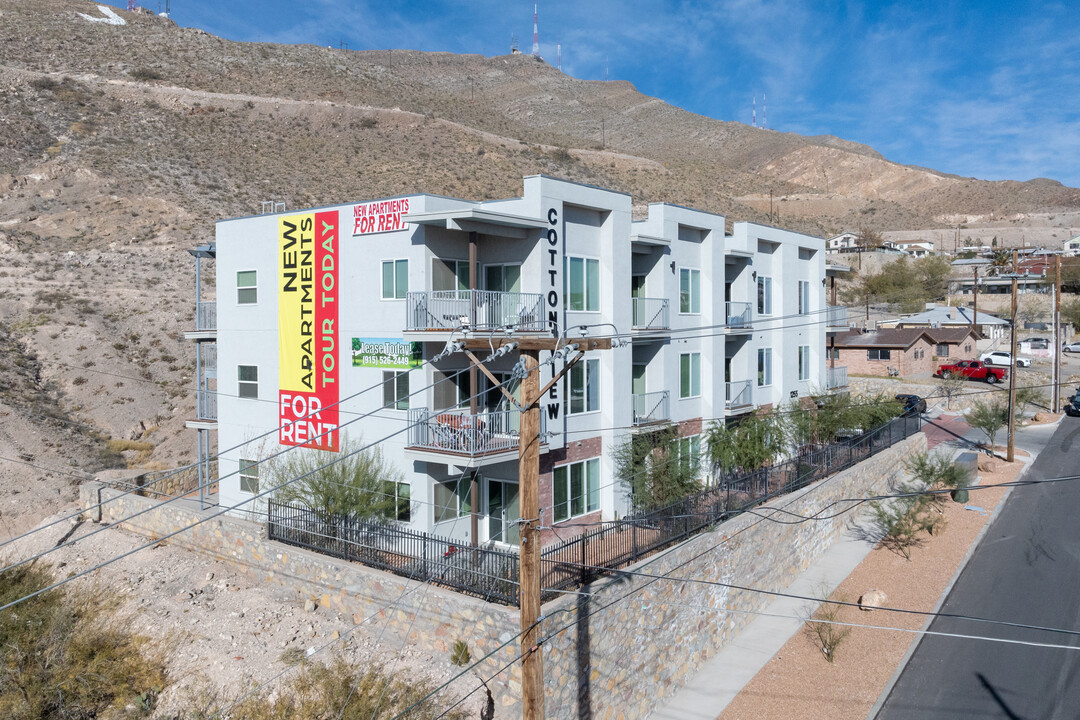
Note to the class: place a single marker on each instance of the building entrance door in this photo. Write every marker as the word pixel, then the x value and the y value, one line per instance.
pixel 503 512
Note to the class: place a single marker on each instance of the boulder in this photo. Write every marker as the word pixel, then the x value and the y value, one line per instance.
pixel 1045 417
pixel 987 463
pixel 872 599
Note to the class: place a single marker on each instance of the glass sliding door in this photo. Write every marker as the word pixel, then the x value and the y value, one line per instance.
pixel 503 512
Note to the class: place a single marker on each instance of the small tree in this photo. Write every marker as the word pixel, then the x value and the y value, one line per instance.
pixel 354 482
pixel 660 467
pixel 746 444
pixel 869 238
pixel 988 417
pixel 1028 395
pixel 950 386
pixel 937 471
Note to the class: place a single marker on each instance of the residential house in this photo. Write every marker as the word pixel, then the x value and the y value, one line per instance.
pixel 885 352
pixel 952 316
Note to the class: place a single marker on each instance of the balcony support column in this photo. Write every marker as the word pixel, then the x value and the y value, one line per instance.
pixel 474 392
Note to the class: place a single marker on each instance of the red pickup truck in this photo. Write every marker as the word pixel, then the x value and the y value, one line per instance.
pixel 974 370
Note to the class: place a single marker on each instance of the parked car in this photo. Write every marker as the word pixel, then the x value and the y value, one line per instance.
pixel 1072 347
pixel 1038 343
pixel 913 404
pixel 1000 357
pixel 1072 408
pixel 974 370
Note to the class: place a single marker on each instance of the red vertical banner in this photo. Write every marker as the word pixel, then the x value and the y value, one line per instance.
pixel 326 322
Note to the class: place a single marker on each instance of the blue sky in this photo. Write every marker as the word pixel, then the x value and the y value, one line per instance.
pixel 987 89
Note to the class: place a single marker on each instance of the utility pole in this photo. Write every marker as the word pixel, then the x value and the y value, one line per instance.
pixel 1011 454
pixel 532 668
pixel 975 314
pixel 1057 337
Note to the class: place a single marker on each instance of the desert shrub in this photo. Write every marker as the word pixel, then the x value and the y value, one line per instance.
pixel 902 520
pixel 145 74
pixel 937 471
pixel 745 444
pixel 67 655
pixel 656 468
pixel 988 417
pixel 825 632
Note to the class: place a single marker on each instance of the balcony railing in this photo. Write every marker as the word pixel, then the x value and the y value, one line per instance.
pixel 738 394
pixel 206 405
pixel 738 315
pixel 481 309
pixel 205 316
pixel 650 314
pixel 651 407
pixel 837 317
pixel 459 432
pixel 836 378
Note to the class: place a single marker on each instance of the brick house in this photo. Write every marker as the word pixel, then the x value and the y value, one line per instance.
pixel 952 344
pixel 886 352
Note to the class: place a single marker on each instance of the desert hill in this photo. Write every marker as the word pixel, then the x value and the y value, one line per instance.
pixel 120 145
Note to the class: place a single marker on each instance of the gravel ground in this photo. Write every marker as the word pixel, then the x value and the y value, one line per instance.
pixel 222 632
pixel 799 683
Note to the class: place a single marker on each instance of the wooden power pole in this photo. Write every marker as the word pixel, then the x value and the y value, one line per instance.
pixel 1011 455
pixel 975 313
pixel 1057 337
pixel 532 667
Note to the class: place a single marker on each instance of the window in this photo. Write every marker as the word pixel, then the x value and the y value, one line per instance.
pixel 583 284
pixel 401 493
pixel 247 291
pixel 396 390
pixel 452 499
pixel 876 354
pixel 835 353
pixel 689 449
pixel 585 387
pixel 502 278
pixel 395 279
pixel 967 348
pixel 804 362
pixel 689 291
pixel 764 367
pixel 804 297
pixel 576 489
pixel 247 385
pixel 689 375
pixel 942 350
pixel 249 476
pixel 764 295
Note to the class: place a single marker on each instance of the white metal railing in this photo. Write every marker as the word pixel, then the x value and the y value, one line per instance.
pixel 651 407
pixel 206 405
pixel 837 316
pixel 462 433
pixel 836 378
pixel 738 314
pixel 738 394
pixel 650 313
pixel 481 309
pixel 206 315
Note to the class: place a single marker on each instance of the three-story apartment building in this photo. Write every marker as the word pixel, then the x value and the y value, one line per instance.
pixel 330 314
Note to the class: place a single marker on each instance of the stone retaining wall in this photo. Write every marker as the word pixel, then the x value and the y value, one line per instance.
pixel 619 662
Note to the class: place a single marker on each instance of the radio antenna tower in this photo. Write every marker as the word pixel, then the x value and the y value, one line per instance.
pixel 754 116
pixel 536 32
pixel 764 112
pixel 560 56
pixel 131 5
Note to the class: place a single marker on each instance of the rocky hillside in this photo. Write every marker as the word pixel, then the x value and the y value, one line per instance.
pixel 121 144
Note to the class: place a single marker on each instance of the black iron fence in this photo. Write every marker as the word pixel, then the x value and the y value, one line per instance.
pixel 492 573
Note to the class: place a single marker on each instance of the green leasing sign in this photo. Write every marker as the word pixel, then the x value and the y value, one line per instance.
pixel 391 353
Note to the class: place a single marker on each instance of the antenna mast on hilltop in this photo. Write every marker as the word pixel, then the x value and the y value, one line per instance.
pixel 764 112
pixel 131 5
pixel 754 116
pixel 560 57
pixel 536 32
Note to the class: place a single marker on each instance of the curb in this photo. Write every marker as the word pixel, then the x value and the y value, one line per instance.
pixel 887 690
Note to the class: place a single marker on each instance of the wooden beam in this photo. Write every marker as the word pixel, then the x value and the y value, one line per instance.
pixel 494 380
pixel 535 342
pixel 532 669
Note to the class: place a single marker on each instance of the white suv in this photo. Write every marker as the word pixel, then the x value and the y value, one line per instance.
pixel 1000 357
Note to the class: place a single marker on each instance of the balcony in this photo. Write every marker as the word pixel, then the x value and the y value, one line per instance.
pixel 462 438
pixel 738 316
pixel 651 408
pixel 650 314
pixel 444 310
pixel 206 406
pixel 836 378
pixel 836 319
pixel 205 321
pixel 738 395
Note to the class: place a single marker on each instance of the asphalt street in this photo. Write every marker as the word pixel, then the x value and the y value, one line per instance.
pixel 1026 569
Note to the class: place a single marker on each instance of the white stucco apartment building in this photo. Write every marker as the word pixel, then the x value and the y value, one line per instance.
pixel 336 304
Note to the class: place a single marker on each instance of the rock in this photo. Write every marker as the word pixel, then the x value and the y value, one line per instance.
pixel 309 605
pixel 1045 417
pixel 872 599
pixel 987 463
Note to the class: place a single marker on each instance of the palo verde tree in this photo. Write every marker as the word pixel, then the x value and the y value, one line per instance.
pixel 988 417
pixel 659 466
pixel 744 444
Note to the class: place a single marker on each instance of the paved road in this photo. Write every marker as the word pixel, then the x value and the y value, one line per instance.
pixel 1026 569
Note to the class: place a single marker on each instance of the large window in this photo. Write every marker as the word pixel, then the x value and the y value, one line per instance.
pixel 689 375
pixel 395 279
pixel 577 489
pixel 764 367
pixel 452 499
pixel 804 297
pixel 764 295
pixel 878 354
pixel 804 362
pixel 941 350
pixel 396 390
pixel 585 386
pixel 583 284
pixel 247 377
pixel 247 287
pixel 249 476
pixel 689 291
pixel 401 492
pixel 689 449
